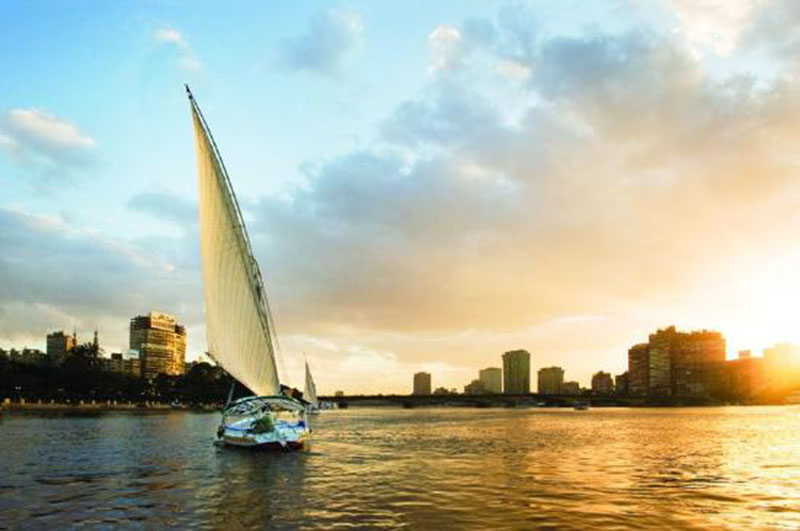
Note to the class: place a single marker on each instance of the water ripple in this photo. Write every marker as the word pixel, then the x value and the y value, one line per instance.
pixel 437 468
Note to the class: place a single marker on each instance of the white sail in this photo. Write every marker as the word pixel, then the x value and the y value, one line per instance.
pixel 310 392
pixel 238 321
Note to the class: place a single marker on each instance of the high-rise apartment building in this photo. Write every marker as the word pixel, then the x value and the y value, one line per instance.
pixel 161 343
pixel 59 346
pixel 422 383
pixel 602 383
pixel 492 379
pixel 679 364
pixel 659 363
pixel 517 372
pixel 621 384
pixel 638 369
pixel 550 381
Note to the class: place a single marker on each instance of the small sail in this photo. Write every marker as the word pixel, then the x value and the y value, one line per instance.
pixel 238 321
pixel 310 392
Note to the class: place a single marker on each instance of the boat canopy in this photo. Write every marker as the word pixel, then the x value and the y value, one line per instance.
pixel 251 404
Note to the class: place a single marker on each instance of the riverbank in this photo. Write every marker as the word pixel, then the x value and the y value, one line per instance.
pixel 92 406
pixel 533 400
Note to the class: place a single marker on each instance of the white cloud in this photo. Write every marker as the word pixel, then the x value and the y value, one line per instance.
pixel 47 129
pixel 446 48
pixel 36 138
pixel 60 274
pixel 332 40
pixel 715 24
pixel 187 59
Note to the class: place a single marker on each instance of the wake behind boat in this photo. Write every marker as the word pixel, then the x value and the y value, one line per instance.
pixel 238 319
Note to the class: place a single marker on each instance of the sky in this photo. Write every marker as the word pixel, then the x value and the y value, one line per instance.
pixel 426 184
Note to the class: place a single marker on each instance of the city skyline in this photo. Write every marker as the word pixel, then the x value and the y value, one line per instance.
pixel 424 191
pixel 672 363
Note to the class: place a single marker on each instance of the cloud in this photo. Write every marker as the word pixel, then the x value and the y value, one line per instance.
pixel 187 58
pixel 447 50
pixel 332 40
pixel 62 275
pixel 715 25
pixel 629 191
pixel 38 139
pixel 776 29
pixel 629 176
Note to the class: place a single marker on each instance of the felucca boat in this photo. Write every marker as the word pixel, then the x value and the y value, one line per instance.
pixel 310 393
pixel 239 325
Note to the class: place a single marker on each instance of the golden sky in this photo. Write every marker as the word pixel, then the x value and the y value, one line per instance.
pixel 557 181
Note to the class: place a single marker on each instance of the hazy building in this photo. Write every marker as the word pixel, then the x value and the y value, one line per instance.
pixel 59 345
pixel 551 381
pixel 161 343
pixel 422 383
pixel 782 366
pixel 638 370
pixel 621 384
pixel 746 378
pixel 679 364
pixel 697 358
pixel 602 383
pixel 517 372
pixel 659 363
pixel 571 388
pixel 475 387
pixel 338 394
pixel 492 379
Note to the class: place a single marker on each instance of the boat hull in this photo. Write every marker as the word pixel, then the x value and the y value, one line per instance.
pixel 272 446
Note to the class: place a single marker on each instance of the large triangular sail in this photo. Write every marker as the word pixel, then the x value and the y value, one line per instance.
pixel 238 321
pixel 310 391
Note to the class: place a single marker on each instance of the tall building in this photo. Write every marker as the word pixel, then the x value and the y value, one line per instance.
pixel 551 381
pixel 659 363
pixel 59 345
pixel 696 359
pixel 571 388
pixel 517 372
pixel 638 369
pixel 679 364
pixel 422 383
pixel 621 384
pixel 492 379
pixel 602 383
pixel 161 343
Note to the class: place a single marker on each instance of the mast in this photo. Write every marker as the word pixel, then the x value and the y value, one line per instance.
pixel 238 318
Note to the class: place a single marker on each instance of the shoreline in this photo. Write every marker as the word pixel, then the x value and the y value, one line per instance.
pixel 15 407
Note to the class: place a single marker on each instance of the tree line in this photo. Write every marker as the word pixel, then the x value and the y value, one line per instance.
pixel 80 378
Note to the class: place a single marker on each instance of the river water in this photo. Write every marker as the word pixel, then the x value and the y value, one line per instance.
pixel 433 468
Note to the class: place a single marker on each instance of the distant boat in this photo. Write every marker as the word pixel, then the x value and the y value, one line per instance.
pixel 310 393
pixel 580 406
pixel 238 320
